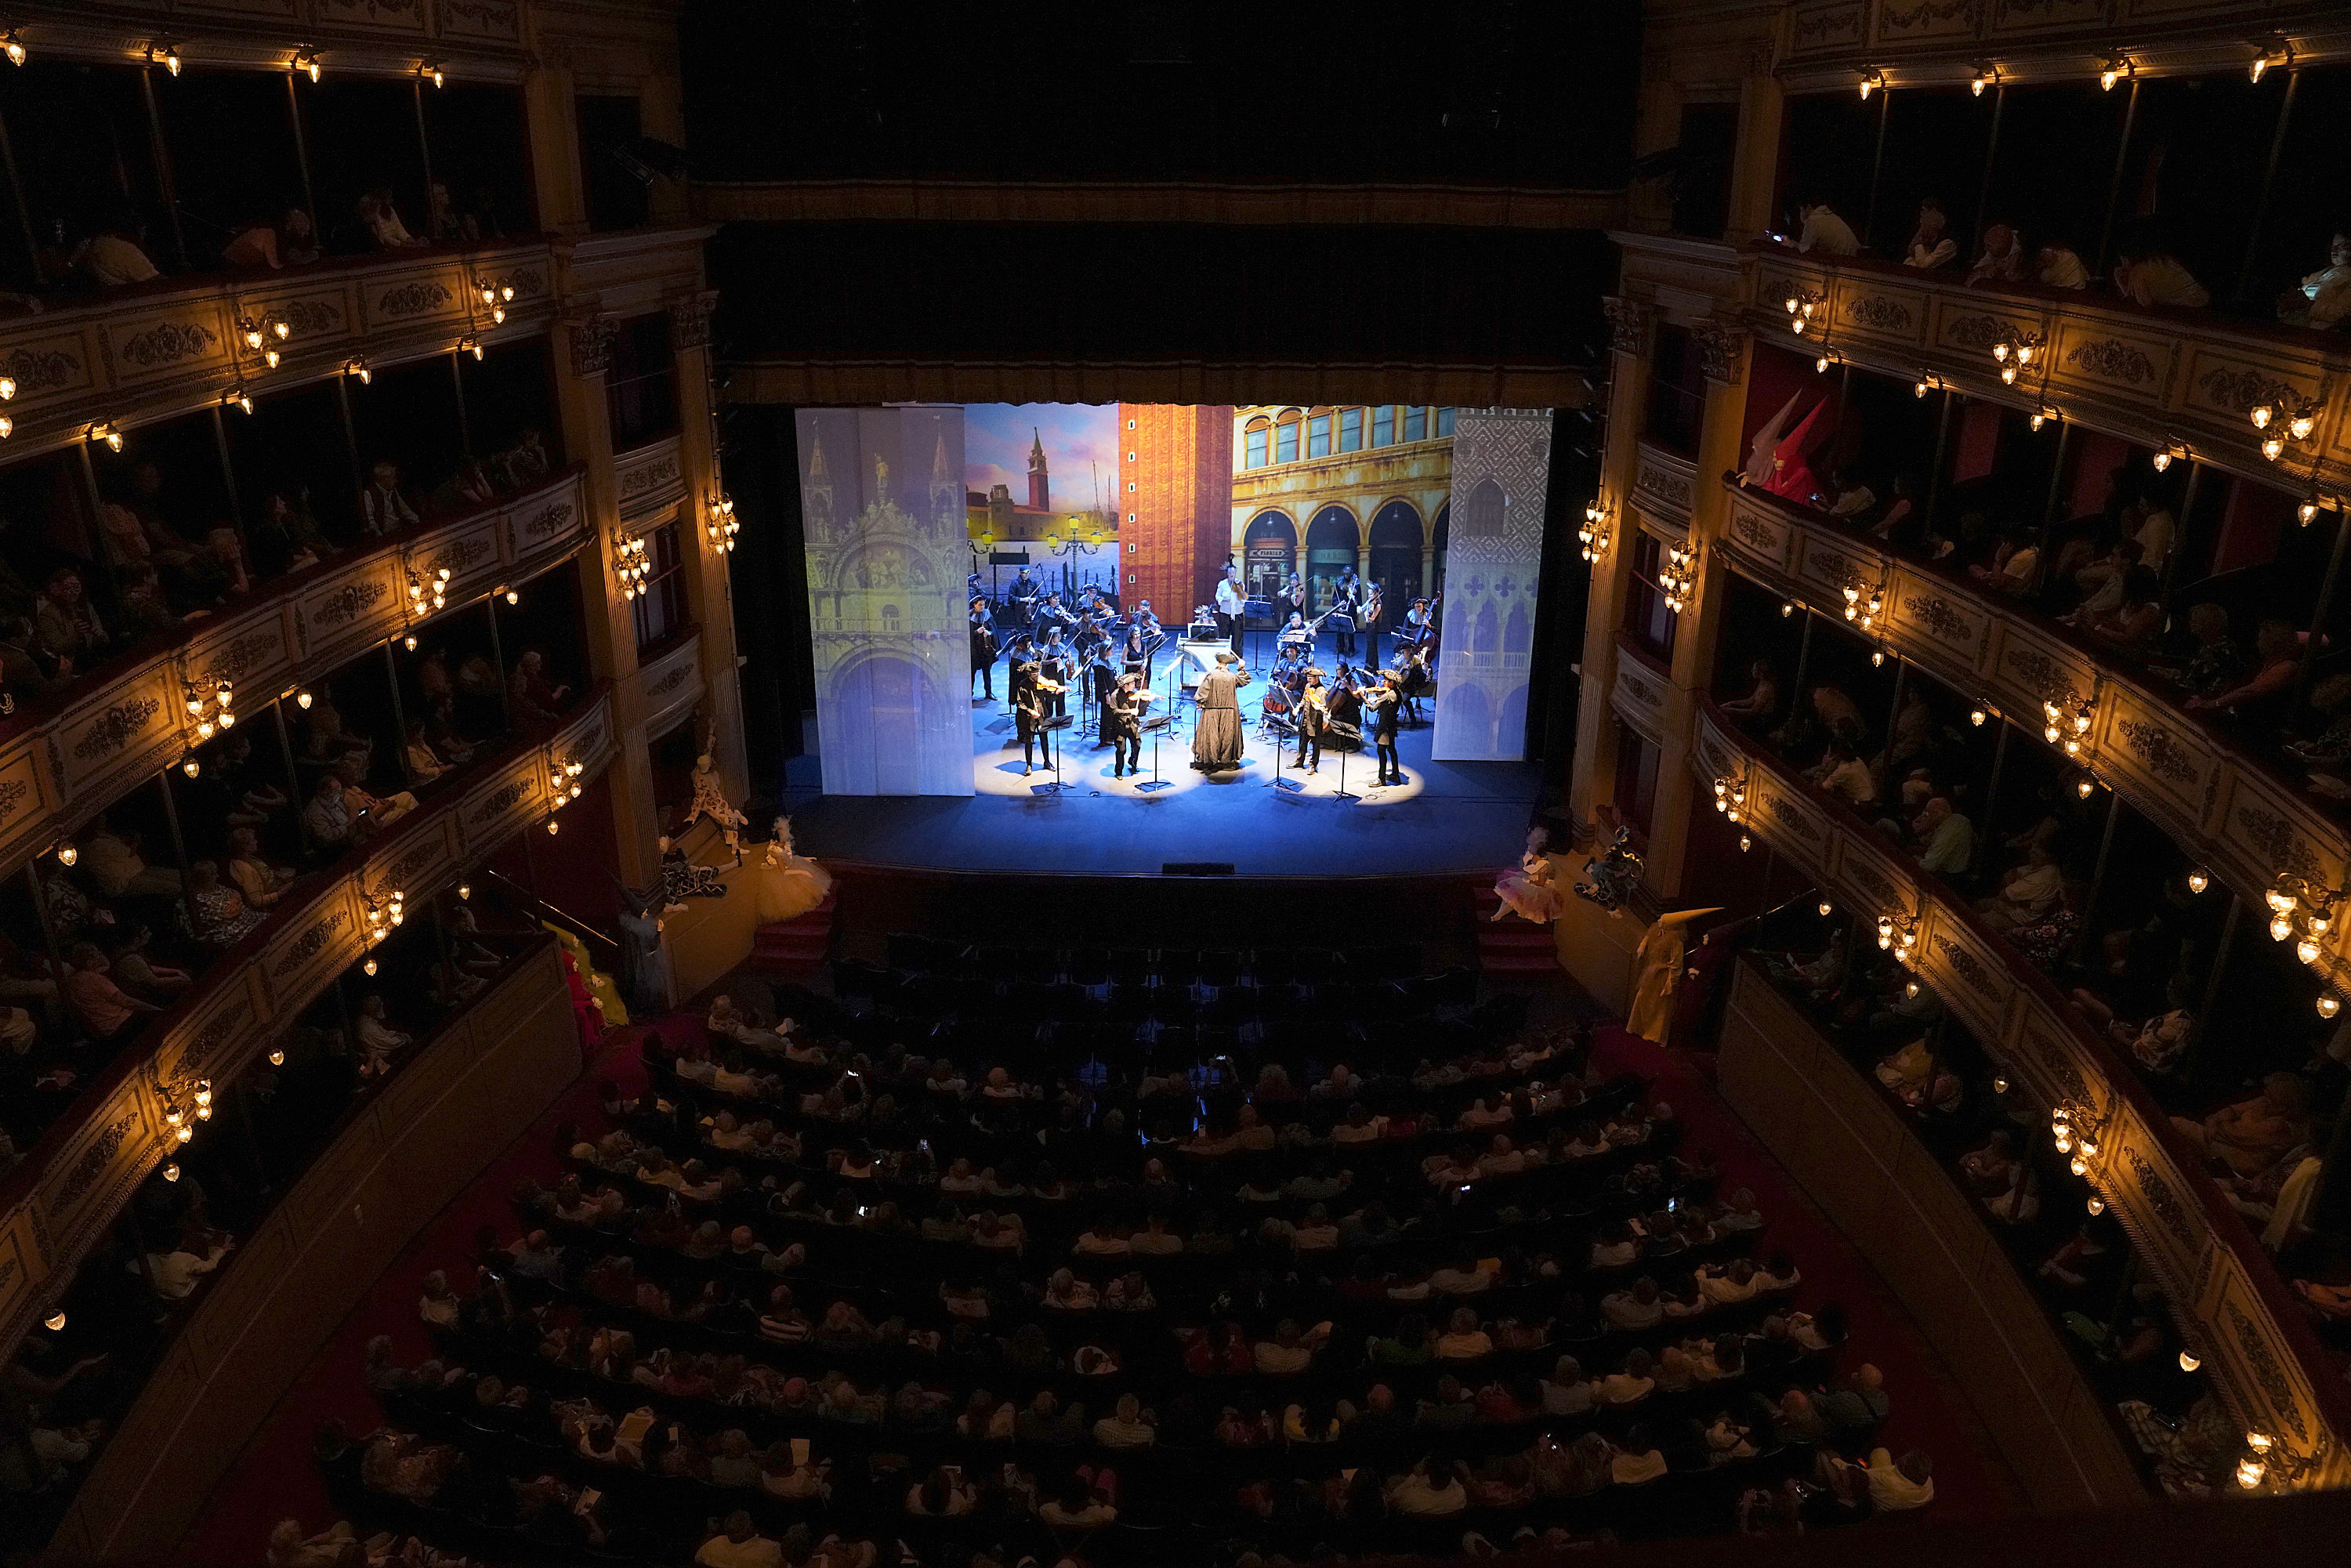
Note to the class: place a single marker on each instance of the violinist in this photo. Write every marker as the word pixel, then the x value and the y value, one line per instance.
pixel 1314 718
pixel 1055 666
pixel 1122 723
pixel 1028 689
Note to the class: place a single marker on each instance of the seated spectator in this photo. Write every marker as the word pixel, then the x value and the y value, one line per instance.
pixel 2157 1044
pixel 378 1041
pixel 1930 245
pixel 2324 298
pixel 2003 257
pixel 140 609
pixel 30 671
pixel 148 981
pixel 2015 567
pixel 2055 265
pixel 221 917
pixel 2278 650
pixel 114 256
pixel 525 463
pixel 536 701
pixel 1129 1427
pixel 110 855
pixel 1897 1486
pixel 1754 711
pixel 2027 893
pixel 1637 1461
pixel 422 762
pixel 2131 626
pixel 2149 274
pixel 1945 840
pixel 2253 1135
pixel 327 818
pixel 291 241
pixel 1428 1490
pixel 380 218
pixel 258 883
pixel 1845 775
pixel 739 1544
pixel 66 623
pixel 1860 1404
pixel 370 814
pixel 174 1273
pixel 383 509
pixel 2216 665
pixel 1632 1383
pixel 1824 232
pixel 104 1011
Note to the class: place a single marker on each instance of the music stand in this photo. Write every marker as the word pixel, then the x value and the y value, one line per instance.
pixel 1344 793
pixel 1157 726
pixel 1049 729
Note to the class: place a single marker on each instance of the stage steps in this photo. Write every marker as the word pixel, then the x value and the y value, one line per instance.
pixel 1510 948
pixel 799 947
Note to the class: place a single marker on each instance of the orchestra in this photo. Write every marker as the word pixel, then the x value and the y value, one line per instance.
pixel 1107 652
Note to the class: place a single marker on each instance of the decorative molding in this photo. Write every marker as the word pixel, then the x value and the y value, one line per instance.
pixel 1879 312
pixel 2113 359
pixel 689 319
pixel 42 370
pixel 312 942
pixel 421 298
pixel 591 344
pixel 2160 749
pixel 1630 322
pixel 93 1162
pixel 1722 351
pixel 348 603
pixel 168 344
pixel 115 727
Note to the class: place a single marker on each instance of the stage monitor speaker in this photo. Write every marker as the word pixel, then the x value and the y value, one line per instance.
pixel 1196 868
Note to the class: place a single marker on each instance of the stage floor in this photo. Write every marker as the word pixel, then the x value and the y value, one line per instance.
pixel 1468 816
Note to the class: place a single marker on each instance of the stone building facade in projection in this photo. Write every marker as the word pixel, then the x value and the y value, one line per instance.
pixel 882 499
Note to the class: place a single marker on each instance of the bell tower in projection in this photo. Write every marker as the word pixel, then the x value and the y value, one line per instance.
pixel 1173 503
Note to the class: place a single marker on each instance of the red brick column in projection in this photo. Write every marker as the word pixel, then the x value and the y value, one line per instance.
pixel 1174 504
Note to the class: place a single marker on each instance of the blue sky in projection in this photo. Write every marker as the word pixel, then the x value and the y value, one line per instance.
pixel 996 438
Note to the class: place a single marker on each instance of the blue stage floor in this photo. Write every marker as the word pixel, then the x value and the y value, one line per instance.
pixel 1467 817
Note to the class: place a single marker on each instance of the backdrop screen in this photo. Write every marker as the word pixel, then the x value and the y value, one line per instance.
pixel 1155 502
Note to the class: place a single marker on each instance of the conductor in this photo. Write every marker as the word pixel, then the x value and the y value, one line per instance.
pixel 1216 738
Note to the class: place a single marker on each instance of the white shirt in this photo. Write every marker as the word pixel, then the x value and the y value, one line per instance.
pixel 1830 235
pixel 1228 598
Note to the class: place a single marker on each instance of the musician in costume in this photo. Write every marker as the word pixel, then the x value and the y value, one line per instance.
pixel 1346 604
pixel 983 648
pixel 1054 615
pixel 1122 725
pixel 1314 718
pixel 1028 711
pixel 1346 705
pixel 1293 596
pixel 1217 737
pixel 1054 667
pixel 1386 701
pixel 1418 627
pixel 1295 638
pixel 1229 603
pixel 1024 595
pixel 1102 680
pixel 1141 645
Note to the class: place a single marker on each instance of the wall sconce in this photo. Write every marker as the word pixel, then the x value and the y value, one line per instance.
pixel 629 565
pixel 1731 795
pixel 566 774
pixel 1986 77
pixel 1927 382
pixel 14 46
pixel 1800 307
pixel 2172 452
pixel 305 61
pixel 210 708
pixel 2198 879
pixel 1864 611
pixel 1872 80
pixel 238 397
pixel 1981 711
pixel 1897 935
pixel 469 344
pixel 1679 574
pixel 109 432
pixel 2067 723
pixel 2303 911
pixel 1826 358
pixel 383 912
pixel 720 522
pixel 2042 415
pixel 435 587
pixel 2015 353
pixel 2275 52
pixel 496 295
pixel 2117 68
pixel 165 52
pixel 359 368
pixel 430 70
pixel 1594 535
pixel 2284 415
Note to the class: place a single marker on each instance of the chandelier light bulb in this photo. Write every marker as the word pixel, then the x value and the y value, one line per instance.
pixel 2161 460
pixel 2080 1166
pixel 277 1057
pixel 172 1171
pixel 2306 950
pixel 2190 1361
pixel 191 768
pixel 369 966
pixel 2000 1085
pixel 2281 928
pixel 56 1321
pixel 1825 908
pixel 1975 716
pixel 15 48
pixel 2198 879
pixel 2329 1004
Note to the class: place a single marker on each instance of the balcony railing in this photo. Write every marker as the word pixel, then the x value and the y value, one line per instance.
pixel 2269 1368
pixel 152 351
pixel 129 720
pixel 1831 40
pixel 57 1204
pixel 2152 376
pixel 2225 806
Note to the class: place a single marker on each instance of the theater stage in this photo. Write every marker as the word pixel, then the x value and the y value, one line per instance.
pixel 1448 817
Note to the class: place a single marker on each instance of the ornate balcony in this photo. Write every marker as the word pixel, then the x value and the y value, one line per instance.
pixel 2152 376
pixel 177 345
pixel 86 1167
pixel 2225 806
pixel 1830 41
pixel 2268 1367
pixel 129 720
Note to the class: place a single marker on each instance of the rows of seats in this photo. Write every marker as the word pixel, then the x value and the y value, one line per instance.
pixel 844 1287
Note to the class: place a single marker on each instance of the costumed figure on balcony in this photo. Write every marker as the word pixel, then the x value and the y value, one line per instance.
pixel 791 884
pixel 1529 891
pixel 1658 967
pixel 681 879
pixel 1615 871
pixel 710 800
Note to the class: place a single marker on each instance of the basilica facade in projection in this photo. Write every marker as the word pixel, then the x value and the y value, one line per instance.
pixel 882 503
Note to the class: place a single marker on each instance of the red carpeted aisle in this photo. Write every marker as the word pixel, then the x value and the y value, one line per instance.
pixel 1930 1412
pixel 273 1477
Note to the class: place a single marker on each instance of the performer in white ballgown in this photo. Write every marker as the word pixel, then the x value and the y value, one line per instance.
pixel 790 883
pixel 1529 891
